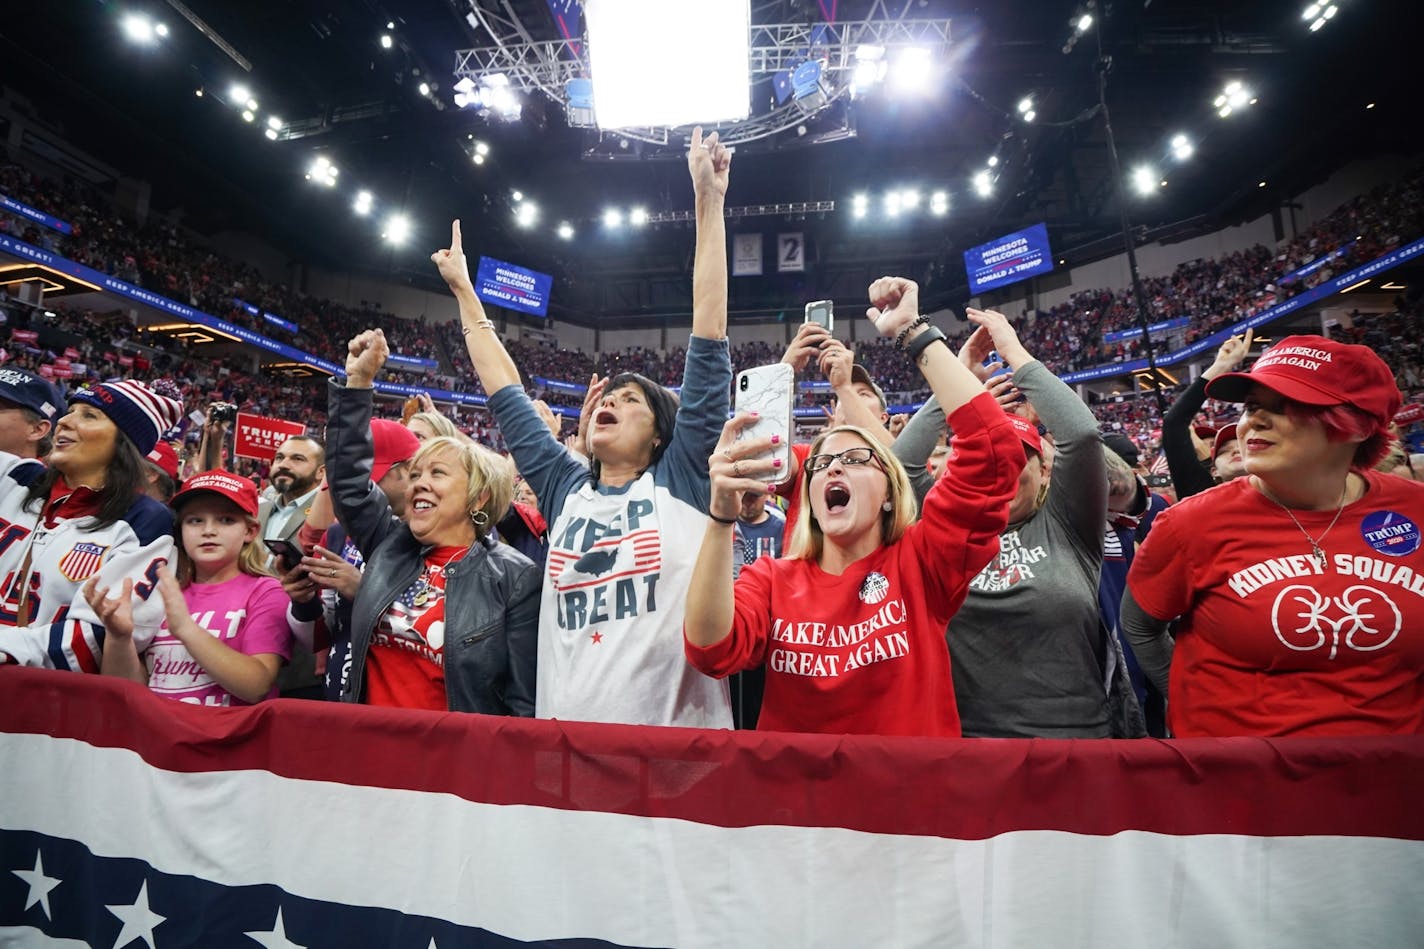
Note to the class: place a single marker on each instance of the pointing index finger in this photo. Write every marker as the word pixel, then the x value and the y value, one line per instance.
pixel 455 234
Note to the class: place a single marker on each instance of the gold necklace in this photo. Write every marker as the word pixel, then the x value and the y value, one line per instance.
pixel 1315 550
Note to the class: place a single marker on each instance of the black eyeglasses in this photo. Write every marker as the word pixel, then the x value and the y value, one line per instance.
pixel 851 456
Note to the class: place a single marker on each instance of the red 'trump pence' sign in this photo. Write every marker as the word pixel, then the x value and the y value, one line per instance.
pixel 258 437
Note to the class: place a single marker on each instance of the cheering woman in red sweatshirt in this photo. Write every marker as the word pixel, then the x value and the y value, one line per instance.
pixel 850 626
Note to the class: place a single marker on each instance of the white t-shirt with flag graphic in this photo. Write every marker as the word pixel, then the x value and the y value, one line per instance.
pixel 620 563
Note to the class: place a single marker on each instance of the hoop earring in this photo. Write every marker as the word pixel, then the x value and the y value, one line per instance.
pixel 479 518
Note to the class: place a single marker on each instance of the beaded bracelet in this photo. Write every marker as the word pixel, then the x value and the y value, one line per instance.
pixel 920 320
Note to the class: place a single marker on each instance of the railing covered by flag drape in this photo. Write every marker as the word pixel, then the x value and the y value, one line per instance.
pixel 127 819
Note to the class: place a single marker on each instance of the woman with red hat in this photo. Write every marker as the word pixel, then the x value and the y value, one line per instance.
pixel 1299 589
pixel 83 516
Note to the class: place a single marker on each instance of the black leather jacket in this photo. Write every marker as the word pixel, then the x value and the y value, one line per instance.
pixel 492 594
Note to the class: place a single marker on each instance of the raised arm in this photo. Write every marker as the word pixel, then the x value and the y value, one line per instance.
pixel 895 306
pixel 708 161
pixel 493 365
pixel 361 506
pixel 733 470
pixel 1189 475
pixel 1080 488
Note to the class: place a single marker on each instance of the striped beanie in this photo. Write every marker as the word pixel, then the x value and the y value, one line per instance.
pixel 142 413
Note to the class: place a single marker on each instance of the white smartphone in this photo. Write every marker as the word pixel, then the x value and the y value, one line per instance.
pixel 770 392
pixel 822 312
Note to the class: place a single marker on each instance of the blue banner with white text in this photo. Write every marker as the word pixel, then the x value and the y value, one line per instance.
pixel 1009 259
pixel 35 215
pixel 519 288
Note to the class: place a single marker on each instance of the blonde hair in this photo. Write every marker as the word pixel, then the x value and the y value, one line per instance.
pixel 439 424
pixel 251 561
pixel 488 475
pixel 807 540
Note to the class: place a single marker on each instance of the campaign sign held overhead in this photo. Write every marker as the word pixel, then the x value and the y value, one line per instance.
pixel 505 284
pixel 1009 259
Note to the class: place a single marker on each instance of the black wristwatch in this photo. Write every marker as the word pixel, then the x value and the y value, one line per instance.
pixel 917 345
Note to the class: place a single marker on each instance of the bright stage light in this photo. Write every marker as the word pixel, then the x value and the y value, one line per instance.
pixel 1144 179
pixel 566 231
pixel 239 95
pixel 247 115
pixel 526 214
pixel 913 70
pixel 1182 147
pixel 638 217
pixel 1085 23
pixel 638 50
pixel 870 68
pixel 271 135
pixel 274 123
pixel 397 229
pixel 140 29
pixel 386 41
pixel 983 184
pixel 613 218
pixel 363 202
pixel 481 148
pixel 939 203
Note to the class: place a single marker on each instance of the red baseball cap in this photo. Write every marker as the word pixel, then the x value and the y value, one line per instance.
pixel 394 444
pixel 240 491
pixel 1223 435
pixel 1028 433
pixel 1314 370
pixel 165 458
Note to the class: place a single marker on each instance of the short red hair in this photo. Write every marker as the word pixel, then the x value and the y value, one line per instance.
pixel 1342 423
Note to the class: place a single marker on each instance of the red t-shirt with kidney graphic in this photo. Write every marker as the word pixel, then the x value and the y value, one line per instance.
pixel 1270 641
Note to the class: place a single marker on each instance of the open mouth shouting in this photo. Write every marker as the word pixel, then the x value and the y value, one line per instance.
pixel 837 496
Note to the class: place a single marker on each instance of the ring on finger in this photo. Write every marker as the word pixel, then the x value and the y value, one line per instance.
pixel 737 468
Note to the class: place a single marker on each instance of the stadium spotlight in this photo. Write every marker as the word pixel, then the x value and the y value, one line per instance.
pixel 198 92
pixel 464 93
pixel 566 231
pixel 1026 110
pixel 271 135
pixel 638 217
pixel 913 70
pixel 1235 96
pixel 362 204
pixel 1144 179
pixel 612 218
pixel 239 94
pixel 481 148
pixel 140 29
pixel 397 229
pixel 322 171
pixel 1182 147
pixel 386 41
pixel 993 161
pixel 909 199
pixel 983 184
pixel 424 88
pixel 247 115
pixel 1085 23
pixel 526 214
pixel 869 68
pixel 939 203
pixel 516 195
pixel 892 203
pixel 860 205
pixel 478 158
pixel 274 123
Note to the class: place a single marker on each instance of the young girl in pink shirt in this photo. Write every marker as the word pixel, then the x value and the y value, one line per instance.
pixel 226 633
